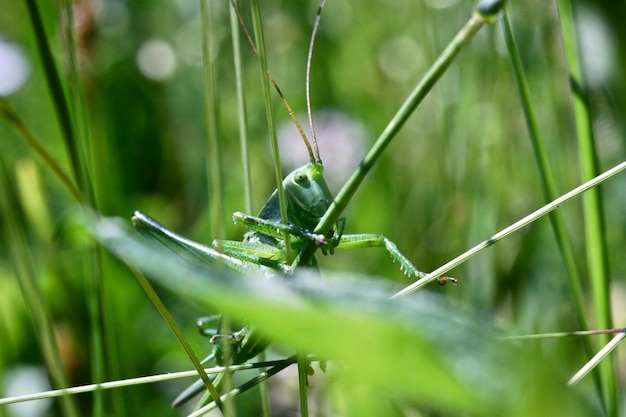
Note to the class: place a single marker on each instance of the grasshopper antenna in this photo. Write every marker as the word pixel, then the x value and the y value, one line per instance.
pixel 308 81
pixel 314 156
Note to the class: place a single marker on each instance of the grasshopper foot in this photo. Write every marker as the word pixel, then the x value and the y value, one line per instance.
pixel 443 279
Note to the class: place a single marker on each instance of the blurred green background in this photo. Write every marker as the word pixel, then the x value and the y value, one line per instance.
pixel 460 170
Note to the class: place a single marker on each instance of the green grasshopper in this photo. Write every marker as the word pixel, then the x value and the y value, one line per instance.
pixel 307 200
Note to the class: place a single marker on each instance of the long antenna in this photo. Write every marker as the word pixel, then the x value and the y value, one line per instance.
pixel 314 156
pixel 308 80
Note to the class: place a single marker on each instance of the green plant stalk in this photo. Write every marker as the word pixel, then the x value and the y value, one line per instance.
pixel 262 377
pixel 547 180
pixel 106 360
pixel 564 334
pixel 167 317
pixel 265 76
pixel 597 359
pixel 57 94
pixel 245 163
pixel 214 173
pixel 214 169
pixel 26 272
pixel 242 116
pixel 302 384
pixel 263 388
pixel 546 175
pixel 129 382
pixel 435 72
pixel 95 283
pixel 597 258
pixel 32 142
pixel 77 102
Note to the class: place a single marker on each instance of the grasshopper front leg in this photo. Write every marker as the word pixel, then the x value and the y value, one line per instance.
pixel 263 244
pixel 370 240
pixel 276 229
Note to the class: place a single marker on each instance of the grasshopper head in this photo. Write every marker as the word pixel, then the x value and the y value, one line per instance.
pixel 308 194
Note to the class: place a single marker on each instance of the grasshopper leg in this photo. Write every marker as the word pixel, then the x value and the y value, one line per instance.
pixel 275 229
pixel 358 241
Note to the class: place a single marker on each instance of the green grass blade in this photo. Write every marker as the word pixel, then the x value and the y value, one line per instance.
pixel 36 145
pixel 27 275
pixel 259 379
pixel 242 121
pixel 241 111
pixel 169 320
pixel 303 384
pixel 57 94
pixel 265 81
pixel 129 382
pixel 595 236
pixel 597 359
pixel 260 46
pixel 214 168
pixel 105 363
pixel 101 331
pixel 546 176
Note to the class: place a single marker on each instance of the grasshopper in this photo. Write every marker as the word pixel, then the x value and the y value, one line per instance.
pixel 307 200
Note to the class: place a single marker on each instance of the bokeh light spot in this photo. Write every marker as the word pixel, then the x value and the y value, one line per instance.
pixel 14 68
pixel 399 58
pixel 156 59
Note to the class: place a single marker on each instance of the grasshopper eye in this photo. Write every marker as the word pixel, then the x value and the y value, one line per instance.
pixel 300 177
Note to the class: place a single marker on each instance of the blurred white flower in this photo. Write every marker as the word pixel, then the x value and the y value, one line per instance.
pixel 156 59
pixel 597 48
pixel 14 68
pixel 22 380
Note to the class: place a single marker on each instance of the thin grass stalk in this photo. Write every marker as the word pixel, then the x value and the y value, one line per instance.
pixel 263 388
pixel 242 119
pixel 76 93
pixel 32 142
pixel 60 104
pixel 79 162
pixel 302 384
pixel 242 116
pixel 103 330
pixel 129 382
pixel 265 75
pixel 169 320
pixel 244 387
pixel 564 334
pixel 595 236
pixel 597 359
pixel 553 205
pixel 214 168
pixel 547 179
pixel 27 276
pixel 57 94
pixel 476 21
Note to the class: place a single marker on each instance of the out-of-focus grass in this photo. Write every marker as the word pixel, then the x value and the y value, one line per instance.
pixel 461 169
